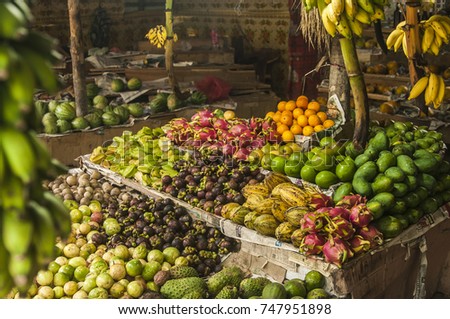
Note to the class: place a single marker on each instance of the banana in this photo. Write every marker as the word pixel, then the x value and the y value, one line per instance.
pixel 401 24
pixel 378 13
pixel 351 8
pixel 363 16
pixel 343 27
pixel 61 216
pixel 19 154
pixel 441 93
pixel 439 30
pixel 445 25
pixel 337 6
pixel 437 40
pixel 428 38
pixel 366 5
pixel 44 236
pixel 328 10
pixel 329 26
pixel 355 26
pixel 17 226
pixel 405 46
pixel 418 87
pixel 12 21
pixel 392 37
pixel 434 49
pixel 433 87
pixel 399 41
pixel 321 4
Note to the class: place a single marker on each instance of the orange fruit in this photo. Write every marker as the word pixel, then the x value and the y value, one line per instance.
pixel 286 119
pixel 314 120
pixel 302 101
pixel 290 105
pixel 302 120
pixel 281 106
pixel 269 114
pixel 314 105
pixel 309 112
pixel 328 123
pixel 287 136
pixel 318 128
pixel 308 130
pixel 295 113
pixel 322 116
pixel 282 128
pixel 296 129
pixel 286 112
pixel 277 116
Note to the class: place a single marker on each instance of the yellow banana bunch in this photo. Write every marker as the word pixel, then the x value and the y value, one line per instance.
pixel 435 31
pixel 433 88
pixel 30 219
pixel 157 36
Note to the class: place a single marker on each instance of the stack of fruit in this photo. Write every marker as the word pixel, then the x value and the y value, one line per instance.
pixel 300 117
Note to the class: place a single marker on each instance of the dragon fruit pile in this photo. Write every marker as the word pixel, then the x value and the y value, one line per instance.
pixel 235 137
pixel 339 232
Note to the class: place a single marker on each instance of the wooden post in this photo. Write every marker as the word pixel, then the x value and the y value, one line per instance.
pixel 77 54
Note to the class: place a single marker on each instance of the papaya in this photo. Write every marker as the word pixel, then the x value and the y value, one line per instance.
pixel 400 189
pixel 367 171
pixel 324 179
pixel 435 147
pixel 343 190
pixel 382 183
pixel 395 174
pixel 403 219
pixel 401 149
pixel 380 141
pixel 389 226
pixel 371 152
pixel 411 181
pixel 362 187
pixel 386 200
pixel 345 170
pixel 427 181
pixel 426 164
pixel 413 215
pixel 429 206
pixel 361 159
pixel 412 199
pixel 406 164
pixel 422 192
pixel 398 208
pixel 375 209
pixel 385 161
pixel 400 126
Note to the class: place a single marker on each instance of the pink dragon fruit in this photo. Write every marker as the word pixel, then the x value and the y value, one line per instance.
pixel 312 244
pixel 372 234
pixel 359 245
pixel 320 200
pixel 312 222
pixel 360 216
pixel 340 227
pixel 336 251
pixel 339 212
pixel 351 200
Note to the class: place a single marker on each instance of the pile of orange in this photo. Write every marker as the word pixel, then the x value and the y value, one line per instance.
pixel 299 117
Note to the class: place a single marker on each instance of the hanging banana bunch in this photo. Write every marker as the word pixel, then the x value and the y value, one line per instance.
pixel 31 218
pixel 432 86
pixel 158 36
pixel 347 17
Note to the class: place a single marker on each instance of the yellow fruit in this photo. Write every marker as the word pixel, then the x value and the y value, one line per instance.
pixel 296 129
pixel 277 116
pixel 322 116
pixel 229 115
pixel 302 101
pixel 308 130
pixel 314 120
pixel 302 120
pixel 286 119
pixel 319 128
pixel 281 106
pixel 309 112
pixel 287 136
pixel 290 105
pixel 297 112
pixel 314 105
pixel 328 123
pixel 282 128
pixel 269 114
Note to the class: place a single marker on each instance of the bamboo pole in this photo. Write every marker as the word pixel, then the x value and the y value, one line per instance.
pixel 77 55
pixel 169 50
pixel 358 87
pixel 338 77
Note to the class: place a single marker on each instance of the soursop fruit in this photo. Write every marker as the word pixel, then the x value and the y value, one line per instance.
pixel 228 276
pixel 251 287
pixel 228 292
pixel 177 272
pixel 183 288
pixel 195 295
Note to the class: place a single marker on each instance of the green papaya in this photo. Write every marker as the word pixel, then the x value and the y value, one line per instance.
pixel 403 219
pixel 399 207
pixel 362 187
pixel 385 161
pixel 406 164
pixel 345 170
pixel 371 152
pixel 400 189
pixel 361 159
pixel 426 164
pixel 429 206
pixel 413 215
pixel 389 226
pixel 427 181
pixel 380 141
pixel 401 149
pixel 411 181
pixel 381 184
pixel 412 199
pixel 367 171
pixel 422 192
pixel 376 209
pixel 343 190
pixel 395 174
pixel 386 200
